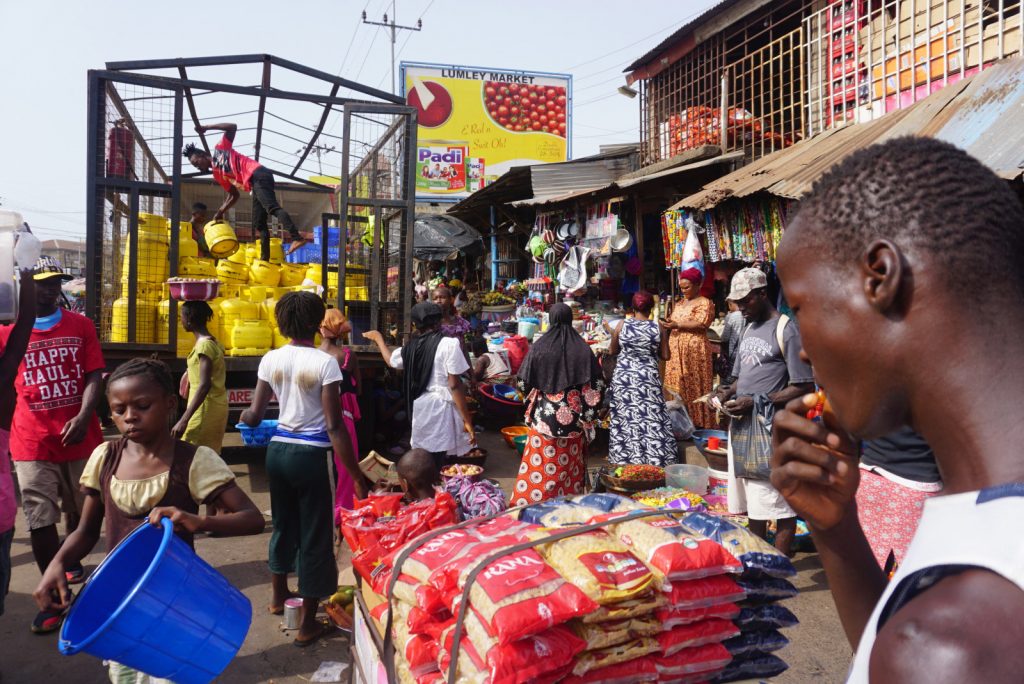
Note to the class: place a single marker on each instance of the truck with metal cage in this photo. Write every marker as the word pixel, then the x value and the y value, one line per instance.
pixel 336 148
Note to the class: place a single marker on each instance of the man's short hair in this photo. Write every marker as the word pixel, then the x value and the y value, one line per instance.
pixel 198 207
pixel 927 197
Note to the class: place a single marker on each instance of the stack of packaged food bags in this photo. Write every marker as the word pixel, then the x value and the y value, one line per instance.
pixel 649 599
pixel 765 581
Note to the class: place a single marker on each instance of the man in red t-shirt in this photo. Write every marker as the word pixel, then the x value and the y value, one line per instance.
pixel 54 428
pixel 234 172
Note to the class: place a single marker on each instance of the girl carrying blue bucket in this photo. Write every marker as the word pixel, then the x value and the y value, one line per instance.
pixel 147 474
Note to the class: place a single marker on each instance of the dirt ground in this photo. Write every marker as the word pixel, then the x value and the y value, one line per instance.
pixel 818 650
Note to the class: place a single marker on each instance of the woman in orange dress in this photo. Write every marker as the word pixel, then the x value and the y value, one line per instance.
pixel 688 370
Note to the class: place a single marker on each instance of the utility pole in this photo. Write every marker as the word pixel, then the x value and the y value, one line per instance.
pixel 395 28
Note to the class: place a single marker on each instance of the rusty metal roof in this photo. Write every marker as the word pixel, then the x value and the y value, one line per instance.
pixel 982 115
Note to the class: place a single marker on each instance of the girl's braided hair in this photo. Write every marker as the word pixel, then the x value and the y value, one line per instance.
pixel 156 370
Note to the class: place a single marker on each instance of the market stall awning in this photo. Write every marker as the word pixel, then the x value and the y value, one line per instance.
pixel 981 114
pixel 439 237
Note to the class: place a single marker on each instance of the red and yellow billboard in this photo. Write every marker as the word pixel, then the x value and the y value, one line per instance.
pixel 476 123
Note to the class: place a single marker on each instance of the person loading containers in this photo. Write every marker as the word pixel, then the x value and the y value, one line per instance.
pixel 234 171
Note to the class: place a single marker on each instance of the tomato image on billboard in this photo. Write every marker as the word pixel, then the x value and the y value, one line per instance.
pixel 524 108
pixel 496 119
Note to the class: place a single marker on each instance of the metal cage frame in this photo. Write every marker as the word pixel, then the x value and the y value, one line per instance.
pixel 100 186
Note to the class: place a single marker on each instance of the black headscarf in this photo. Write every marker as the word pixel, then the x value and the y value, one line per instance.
pixel 560 359
pixel 418 354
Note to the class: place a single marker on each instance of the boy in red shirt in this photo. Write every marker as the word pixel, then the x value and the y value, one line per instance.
pixel 234 171
pixel 54 428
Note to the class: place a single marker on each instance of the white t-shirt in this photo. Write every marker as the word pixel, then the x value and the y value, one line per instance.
pixel 436 422
pixel 297 376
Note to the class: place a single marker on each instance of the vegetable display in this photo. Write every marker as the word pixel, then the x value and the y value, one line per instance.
pixel 640 472
pixel 526 107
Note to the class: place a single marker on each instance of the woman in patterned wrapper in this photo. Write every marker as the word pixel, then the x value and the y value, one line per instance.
pixel 564 388
pixel 640 431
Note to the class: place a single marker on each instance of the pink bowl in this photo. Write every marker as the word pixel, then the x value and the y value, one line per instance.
pixel 193 290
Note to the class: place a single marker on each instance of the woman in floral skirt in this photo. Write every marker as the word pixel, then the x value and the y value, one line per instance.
pixel 563 385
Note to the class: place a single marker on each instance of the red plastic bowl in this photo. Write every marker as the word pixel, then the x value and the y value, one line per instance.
pixel 193 290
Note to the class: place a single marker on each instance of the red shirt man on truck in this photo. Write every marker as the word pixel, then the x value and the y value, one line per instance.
pixel 54 428
pixel 234 172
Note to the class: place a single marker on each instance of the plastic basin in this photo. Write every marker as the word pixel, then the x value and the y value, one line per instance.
pixel 513 431
pixel 259 435
pixel 689 477
pixel 520 444
pixel 155 606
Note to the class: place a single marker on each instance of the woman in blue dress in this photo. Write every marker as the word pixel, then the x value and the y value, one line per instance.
pixel 641 432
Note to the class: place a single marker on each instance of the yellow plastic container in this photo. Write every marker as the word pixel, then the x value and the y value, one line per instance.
pixel 187 247
pixel 269 304
pixel 314 272
pixel 357 294
pixel 150 291
pixel 252 252
pixel 197 267
pixel 293 274
pixel 279 339
pixel 239 257
pixel 220 239
pixel 234 310
pixel 276 251
pixel 216 329
pixel 229 290
pixel 152 266
pixel 230 272
pixel 145 321
pixel 186 340
pixel 154 226
pixel 264 273
pixel 251 338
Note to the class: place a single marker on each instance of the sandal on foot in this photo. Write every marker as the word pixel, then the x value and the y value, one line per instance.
pixel 303 643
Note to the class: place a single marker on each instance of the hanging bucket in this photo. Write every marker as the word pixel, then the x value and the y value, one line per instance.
pixel 155 606
pixel 220 239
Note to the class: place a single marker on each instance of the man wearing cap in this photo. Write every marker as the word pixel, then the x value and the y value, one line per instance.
pixel 55 427
pixel 767 366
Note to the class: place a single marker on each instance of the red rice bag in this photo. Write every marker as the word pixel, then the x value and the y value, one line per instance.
pixel 711 631
pixel 674 617
pixel 593 660
pixel 707 591
pixel 641 607
pixel 425 559
pixel 693 661
pixel 636 670
pixel 671 550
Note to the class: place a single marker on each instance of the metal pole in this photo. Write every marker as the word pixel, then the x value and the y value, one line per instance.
pixel 725 109
pixel 494 247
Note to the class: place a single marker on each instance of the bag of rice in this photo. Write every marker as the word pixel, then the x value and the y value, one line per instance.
pixel 606 634
pixel 670 549
pixel 692 661
pixel 592 660
pixel 419 652
pixel 749 642
pixel 627 609
pixel 767 589
pixel 674 617
pixel 771 616
pixel 760 665
pixel 558 513
pixel 708 591
pixel 598 565
pixel 697 634
pixel 539 657
pixel 637 670
pixel 757 556
pixel 519 595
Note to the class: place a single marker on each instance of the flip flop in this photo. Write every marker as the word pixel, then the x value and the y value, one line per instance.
pixel 303 643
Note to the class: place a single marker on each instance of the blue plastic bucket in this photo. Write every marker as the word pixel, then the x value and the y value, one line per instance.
pixel 155 606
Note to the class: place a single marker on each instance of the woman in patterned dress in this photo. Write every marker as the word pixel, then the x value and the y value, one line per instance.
pixel 452 324
pixel 564 388
pixel 640 432
pixel 688 370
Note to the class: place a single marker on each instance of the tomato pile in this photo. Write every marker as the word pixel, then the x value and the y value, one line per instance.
pixel 521 108
pixel 644 473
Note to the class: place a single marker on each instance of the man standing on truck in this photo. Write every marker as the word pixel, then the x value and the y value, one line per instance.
pixel 234 171
pixel 54 428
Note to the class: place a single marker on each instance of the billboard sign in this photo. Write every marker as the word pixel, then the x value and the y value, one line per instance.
pixel 475 123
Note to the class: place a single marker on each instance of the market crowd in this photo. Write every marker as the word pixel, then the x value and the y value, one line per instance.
pixel 848 395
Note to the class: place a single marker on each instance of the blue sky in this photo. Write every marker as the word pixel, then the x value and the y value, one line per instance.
pixel 49 45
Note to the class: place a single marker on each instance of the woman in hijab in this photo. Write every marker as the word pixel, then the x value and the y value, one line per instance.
pixel 640 431
pixel 563 385
pixel 688 370
pixel 441 422
pixel 333 331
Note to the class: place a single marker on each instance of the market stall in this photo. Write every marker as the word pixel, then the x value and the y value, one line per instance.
pixel 654 586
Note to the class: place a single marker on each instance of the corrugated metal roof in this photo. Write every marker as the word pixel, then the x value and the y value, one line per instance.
pixel 688 27
pixel 981 114
pixel 556 180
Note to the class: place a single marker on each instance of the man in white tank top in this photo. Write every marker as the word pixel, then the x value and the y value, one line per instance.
pixel 904 270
